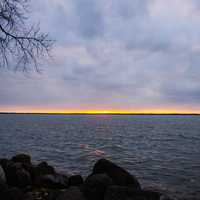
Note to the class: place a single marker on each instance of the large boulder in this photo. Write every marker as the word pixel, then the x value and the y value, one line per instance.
pixel 95 186
pixel 72 193
pixel 17 176
pixel 75 180
pixel 2 175
pixel 22 158
pixel 119 175
pixel 53 181
pixel 127 193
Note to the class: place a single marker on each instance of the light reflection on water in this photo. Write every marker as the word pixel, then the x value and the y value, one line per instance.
pixel 160 150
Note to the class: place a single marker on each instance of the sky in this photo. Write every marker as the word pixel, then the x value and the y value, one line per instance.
pixel 112 55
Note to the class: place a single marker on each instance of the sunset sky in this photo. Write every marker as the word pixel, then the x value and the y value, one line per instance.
pixel 112 55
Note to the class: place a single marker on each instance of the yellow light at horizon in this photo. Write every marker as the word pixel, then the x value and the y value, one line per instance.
pixel 156 111
pixel 101 111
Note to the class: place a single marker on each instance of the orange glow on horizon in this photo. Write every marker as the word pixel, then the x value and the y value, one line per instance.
pixel 101 111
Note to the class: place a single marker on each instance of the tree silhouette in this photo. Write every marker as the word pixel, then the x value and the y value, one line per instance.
pixel 20 45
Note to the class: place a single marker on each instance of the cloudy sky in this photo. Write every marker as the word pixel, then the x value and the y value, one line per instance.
pixel 134 55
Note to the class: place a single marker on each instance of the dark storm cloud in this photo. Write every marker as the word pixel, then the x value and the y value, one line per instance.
pixel 113 54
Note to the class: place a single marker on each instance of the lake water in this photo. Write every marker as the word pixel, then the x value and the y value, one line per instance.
pixel 160 150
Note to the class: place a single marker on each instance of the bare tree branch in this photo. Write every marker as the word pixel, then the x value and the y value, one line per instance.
pixel 19 44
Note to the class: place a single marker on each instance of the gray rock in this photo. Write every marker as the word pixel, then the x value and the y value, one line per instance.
pixel 2 175
pixel 95 186
pixel 119 175
pixel 72 193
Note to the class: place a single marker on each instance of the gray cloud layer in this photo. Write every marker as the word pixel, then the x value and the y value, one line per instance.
pixel 113 54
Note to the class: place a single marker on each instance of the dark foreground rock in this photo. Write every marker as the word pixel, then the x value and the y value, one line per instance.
pixel 54 181
pixel 16 175
pixel 3 188
pixel 96 185
pixel 20 179
pixel 2 174
pixel 75 180
pixel 43 168
pixel 127 193
pixel 119 175
pixel 14 193
pixel 22 158
pixel 73 193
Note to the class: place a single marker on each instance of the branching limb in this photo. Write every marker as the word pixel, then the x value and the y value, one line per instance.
pixel 20 45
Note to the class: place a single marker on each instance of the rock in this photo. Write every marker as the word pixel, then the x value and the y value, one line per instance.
pixel 54 181
pixel 43 169
pixel 4 162
pixel 40 195
pixel 17 176
pixel 39 170
pixel 32 196
pixel 31 169
pixel 127 193
pixel 95 186
pixel 3 189
pixel 22 158
pixel 14 194
pixel 2 175
pixel 119 175
pixel 75 180
pixel 72 193
pixel 163 194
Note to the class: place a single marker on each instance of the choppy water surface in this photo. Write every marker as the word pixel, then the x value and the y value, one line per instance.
pixel 162 151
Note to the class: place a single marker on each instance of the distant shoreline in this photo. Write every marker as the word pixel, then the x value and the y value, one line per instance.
pixel 28 113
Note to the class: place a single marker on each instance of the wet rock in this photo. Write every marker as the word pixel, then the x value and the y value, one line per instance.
pixel 22 158
pixel 73 193
pixel 119 175
pixel 2 175
pixel 17 176
pixel 75 180
pixel 54 181
pixel 127 193
pixel 96 185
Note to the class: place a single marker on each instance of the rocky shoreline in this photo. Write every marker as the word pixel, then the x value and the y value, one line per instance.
pixel 20 179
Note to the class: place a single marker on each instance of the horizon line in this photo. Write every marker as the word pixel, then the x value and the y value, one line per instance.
pixel 105 113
